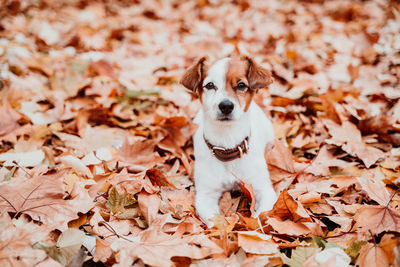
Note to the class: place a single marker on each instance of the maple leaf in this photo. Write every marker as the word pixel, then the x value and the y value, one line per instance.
pixel 179 202
pixel 323 161
pixel 372 255
pixel 377 219
pixel 16 240
pixel 156 248
pixel 40 197
pixel 118 204
pixel 287 208
pixel 159 178
pixel 376 190
pixel 348 137
pixel 140 155
pixel 149 205
pixel 280 165
pixel 384 125
pixel 248 191
pixel 256 243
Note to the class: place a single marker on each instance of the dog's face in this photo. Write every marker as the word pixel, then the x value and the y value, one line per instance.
pixel 227 87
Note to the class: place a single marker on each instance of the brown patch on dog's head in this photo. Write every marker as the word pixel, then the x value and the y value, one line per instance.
pixel 258 76
pixel 245 70
pixel 194 76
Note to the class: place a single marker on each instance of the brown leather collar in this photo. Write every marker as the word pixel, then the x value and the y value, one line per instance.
pixel 224 154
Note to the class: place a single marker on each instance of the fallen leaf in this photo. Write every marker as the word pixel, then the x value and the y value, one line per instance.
pixel 41 198
pixel 376 219
pixel 77 165
pixel 376 190
pixel 24 159
pixel 371 254
pixel 299 256
pixel 287 208
pixel 159 178
pixel 149 205
pixel 119 204
pixel 256 243
pixel 348 137
pixel 140 155
pixel 156 248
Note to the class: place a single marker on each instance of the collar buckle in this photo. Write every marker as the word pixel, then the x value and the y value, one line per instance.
pixel 214 148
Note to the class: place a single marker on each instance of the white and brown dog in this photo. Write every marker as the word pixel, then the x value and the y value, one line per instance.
pixel 233 132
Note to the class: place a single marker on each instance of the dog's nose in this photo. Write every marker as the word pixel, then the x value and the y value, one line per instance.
pixel 226 107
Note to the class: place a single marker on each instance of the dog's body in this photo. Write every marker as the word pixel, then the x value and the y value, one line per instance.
pixel 229 119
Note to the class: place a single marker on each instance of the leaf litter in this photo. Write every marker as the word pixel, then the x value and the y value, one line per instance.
pixel 96 157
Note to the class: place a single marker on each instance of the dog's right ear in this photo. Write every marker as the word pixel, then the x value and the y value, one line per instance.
pixel 194 76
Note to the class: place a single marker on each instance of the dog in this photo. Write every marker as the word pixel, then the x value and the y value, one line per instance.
pixel 232 132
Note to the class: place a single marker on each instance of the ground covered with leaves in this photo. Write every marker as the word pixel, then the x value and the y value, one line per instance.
pixel 96 157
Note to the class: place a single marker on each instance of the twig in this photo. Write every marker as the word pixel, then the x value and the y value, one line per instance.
pixel 22 168
pixel 112 230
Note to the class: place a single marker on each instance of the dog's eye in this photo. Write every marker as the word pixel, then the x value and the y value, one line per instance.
pixel 241 86
pixel 210 86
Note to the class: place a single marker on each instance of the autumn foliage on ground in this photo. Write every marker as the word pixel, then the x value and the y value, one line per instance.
pixel 96 157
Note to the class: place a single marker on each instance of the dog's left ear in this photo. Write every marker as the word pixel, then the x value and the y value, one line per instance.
pixel 257 76
pixel 194 76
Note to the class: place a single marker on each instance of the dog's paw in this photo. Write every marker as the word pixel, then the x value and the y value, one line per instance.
pixel 264 206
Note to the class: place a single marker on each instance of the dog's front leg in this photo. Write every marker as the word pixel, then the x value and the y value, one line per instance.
pixel 207 205
pixel 264 192
pixel 265 198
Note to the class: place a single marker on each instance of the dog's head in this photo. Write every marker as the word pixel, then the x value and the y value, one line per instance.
pixel 227 87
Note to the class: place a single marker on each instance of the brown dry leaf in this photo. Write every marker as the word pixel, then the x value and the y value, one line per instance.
pixel 179 202
pixel 149 204
pixel 384 125
pixel 256 243
pixel 102 67
pixel 330 109
pixel 280 165
pixel 159 178
pixel 288 227
pixel 103 251
pixel 376 190
pixel 376 219
pixel 248 191
pixel 139 155
pixel 119 204
pixel 280 156
pixel 8 119
pixel 287 208
pixel 372 255
pixel 41 198
pixel 325 160
pixel 348 137
pixel 16 239
pixel 156 248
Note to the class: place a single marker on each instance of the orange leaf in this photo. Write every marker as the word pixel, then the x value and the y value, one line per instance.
pixel 377 219
pixel 247 190
pixel 256 243
pixel 149 205
pixel 287 208
pixel 159 178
